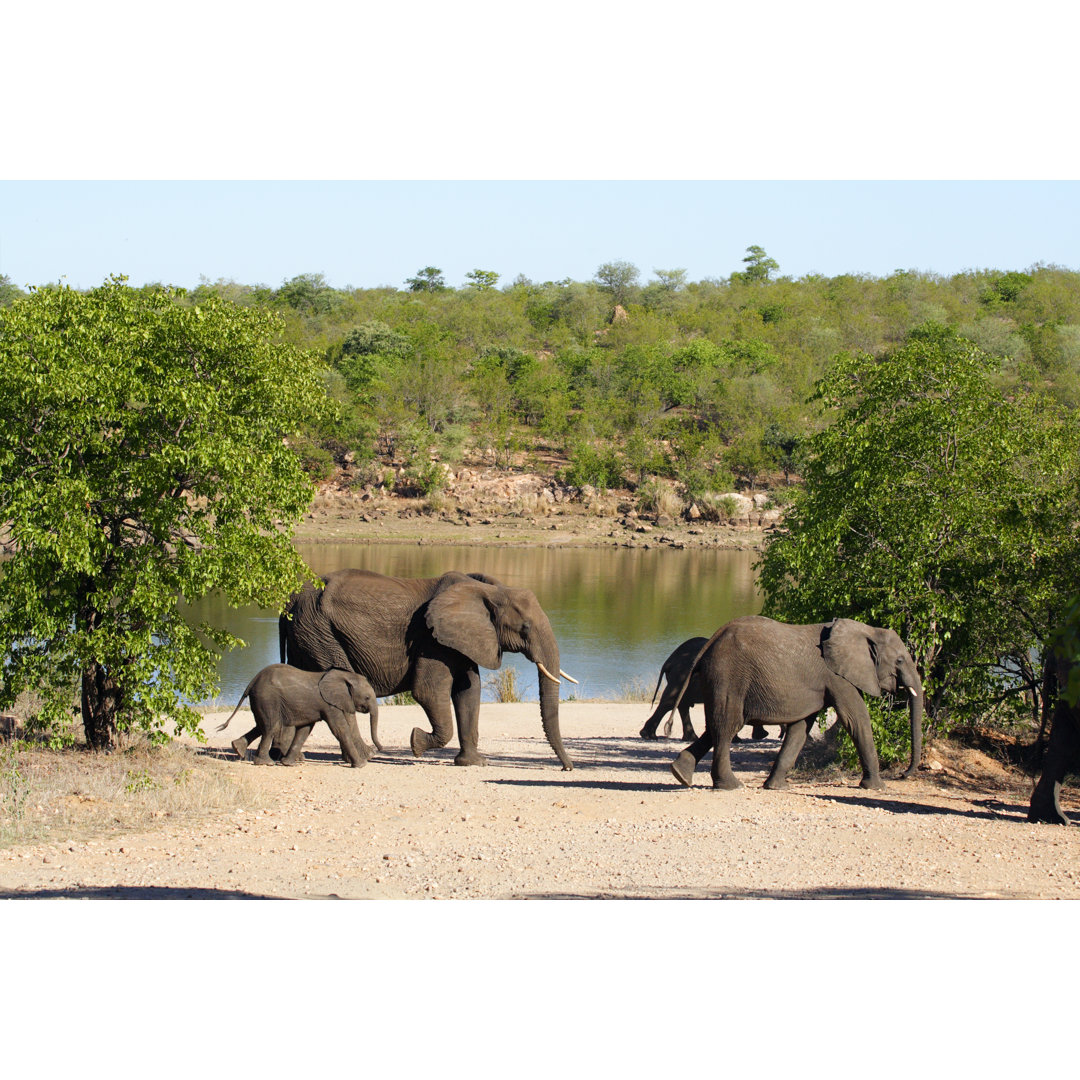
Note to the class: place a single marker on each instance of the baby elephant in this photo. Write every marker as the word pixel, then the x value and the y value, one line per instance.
pixel 675 668
pixel 288 702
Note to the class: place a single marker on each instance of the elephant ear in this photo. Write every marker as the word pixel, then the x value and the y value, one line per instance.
pixel 851 652
pixel 459 618
pixel 334 690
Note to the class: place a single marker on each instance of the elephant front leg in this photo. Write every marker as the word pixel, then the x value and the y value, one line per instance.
pixel 466 700
pixel 347 733
pixel 1062 751
pixel 852 713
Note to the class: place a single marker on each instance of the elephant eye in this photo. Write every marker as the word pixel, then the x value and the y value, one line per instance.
pixel 525 627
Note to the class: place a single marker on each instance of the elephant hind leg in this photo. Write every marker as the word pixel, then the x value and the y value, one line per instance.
pixel 794 741
pixel 648 730
pixel 432 688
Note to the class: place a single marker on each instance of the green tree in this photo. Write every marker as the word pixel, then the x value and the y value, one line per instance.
pixel 482 279
pixel 366 354
pixel 938 506
pixel 758 266
pixel 9 291
pixel 142 461
pixel 430 279
pixel 618 278
pixel 310 294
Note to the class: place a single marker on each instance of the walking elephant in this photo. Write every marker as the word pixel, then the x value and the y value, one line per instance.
pixel 1062 754
pixel 287 703
pixel 429 636
pixel 675 669
pixel 757 669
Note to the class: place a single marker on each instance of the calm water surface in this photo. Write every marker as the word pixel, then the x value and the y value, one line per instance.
pixel 617 613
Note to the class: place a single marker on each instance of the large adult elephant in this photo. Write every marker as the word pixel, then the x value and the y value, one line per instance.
pixel 757 669
pixel 428 636
pixel 1062 753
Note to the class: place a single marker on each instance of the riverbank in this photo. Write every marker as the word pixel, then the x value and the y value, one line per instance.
pixel 491 507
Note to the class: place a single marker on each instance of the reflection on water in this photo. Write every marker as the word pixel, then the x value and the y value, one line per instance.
pixel 617 612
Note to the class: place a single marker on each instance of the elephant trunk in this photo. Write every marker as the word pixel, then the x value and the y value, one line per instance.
pixel 915 690
pixel 373 713
pixel 545 652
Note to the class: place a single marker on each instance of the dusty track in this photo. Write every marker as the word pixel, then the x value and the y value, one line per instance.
pixel 617 826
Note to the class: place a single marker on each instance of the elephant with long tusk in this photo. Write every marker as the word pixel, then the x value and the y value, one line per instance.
pixel 429 636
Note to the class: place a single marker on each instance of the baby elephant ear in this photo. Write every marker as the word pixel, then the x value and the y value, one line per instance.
pixel 459 618
pixel 334 690
pixel 848 649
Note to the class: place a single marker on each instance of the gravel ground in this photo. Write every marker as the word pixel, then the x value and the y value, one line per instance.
pixel 617 826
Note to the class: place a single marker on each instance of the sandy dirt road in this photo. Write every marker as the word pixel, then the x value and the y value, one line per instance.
pixel 618 825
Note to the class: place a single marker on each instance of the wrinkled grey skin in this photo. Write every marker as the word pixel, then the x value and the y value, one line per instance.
pixel 675 669
pixel 756 669
pixel 1062 754
pixel 429 636
pixel 287 703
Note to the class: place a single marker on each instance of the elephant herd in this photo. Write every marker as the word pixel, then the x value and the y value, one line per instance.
pixel 364 635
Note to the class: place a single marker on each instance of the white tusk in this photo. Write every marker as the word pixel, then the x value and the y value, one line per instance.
pixel 569 678
pixel 544 671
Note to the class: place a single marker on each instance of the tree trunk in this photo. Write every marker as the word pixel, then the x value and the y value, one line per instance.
pixel 100 701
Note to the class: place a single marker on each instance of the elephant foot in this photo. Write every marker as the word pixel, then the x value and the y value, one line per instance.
pixel 241 748
pixel 258 760
pixel 872 783
pixel 470 757
pixel 779 784
pixel 735 739
pixel 292 761
pixel 421 740
pixel 758 733
pixel 725 783
pixel 647 733
pixel 1048 812
pixel 682 768
pixel 359 764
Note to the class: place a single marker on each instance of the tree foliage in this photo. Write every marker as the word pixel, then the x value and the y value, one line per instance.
pixel 940 506
pixel 142 460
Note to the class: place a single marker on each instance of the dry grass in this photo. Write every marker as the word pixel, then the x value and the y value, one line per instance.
pixel 48 795
pixel 503 685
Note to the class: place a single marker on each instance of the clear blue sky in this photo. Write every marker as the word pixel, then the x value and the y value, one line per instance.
pixel 538 140
pixel 368 233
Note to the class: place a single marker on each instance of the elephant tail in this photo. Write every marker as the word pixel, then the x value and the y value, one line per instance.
pixel 659 680
pixel 690 674
pixel 247 690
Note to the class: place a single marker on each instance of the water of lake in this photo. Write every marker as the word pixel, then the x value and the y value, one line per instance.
pixel 617 612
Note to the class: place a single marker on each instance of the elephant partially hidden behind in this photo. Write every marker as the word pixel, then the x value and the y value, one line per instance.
pixel 1062 754
pixel 757 669
pixel 287 703
pixel 675 669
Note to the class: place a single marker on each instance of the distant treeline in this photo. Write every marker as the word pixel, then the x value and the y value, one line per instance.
pixel 705 383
